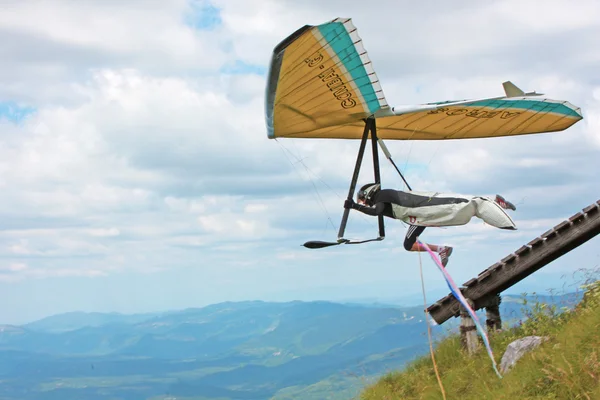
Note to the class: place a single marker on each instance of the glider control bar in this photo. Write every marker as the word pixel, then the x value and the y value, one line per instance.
pixel 359 158
pixel 369 126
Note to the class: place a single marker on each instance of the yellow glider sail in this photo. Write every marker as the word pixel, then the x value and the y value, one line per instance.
pixel 322 85
pixel 320 76
pixel 466 120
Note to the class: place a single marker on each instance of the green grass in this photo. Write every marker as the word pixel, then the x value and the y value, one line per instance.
pixel 567 366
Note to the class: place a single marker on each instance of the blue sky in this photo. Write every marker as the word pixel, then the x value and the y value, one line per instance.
pixel 13 112
pixel 137 175
pixel 202 15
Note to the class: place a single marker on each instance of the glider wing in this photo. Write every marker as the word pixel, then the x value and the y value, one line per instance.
pixel 319 77
pixel 463 120
pixel 321 84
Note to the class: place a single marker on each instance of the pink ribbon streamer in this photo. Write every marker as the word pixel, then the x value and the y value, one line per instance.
pixel 458 294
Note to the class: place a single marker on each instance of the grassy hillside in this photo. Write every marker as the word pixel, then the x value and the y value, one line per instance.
pixel 567 366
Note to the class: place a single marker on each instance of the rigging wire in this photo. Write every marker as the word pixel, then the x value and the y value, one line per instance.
pixel 284 149
pixel 437 373
pixel 309 173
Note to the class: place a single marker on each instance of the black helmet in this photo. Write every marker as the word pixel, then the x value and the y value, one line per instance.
pixel 367 192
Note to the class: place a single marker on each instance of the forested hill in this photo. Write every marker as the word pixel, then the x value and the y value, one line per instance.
pixel 241 350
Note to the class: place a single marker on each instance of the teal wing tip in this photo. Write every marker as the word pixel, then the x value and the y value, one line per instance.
pixel 576 111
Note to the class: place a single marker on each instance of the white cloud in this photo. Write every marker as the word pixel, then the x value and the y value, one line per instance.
pixel 154 28
pixel 142 156
pixel 592 115
pixel 51 48
pixel 106 232
pixel 14 267
pixel 256 208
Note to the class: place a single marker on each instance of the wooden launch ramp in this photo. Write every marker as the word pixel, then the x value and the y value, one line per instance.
pixel 484 290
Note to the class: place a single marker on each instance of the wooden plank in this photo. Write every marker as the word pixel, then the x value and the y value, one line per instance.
pixel 562 225
pixel 590 208
pixel 493 266
pixel 577 216
pixel 522 250
pixel 470 282
pixel 538 240
pixel 508 258
pixel 486 274
pixel 548 233
pixel 544 252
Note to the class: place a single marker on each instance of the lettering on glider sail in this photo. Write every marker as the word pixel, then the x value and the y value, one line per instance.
pixel 332 80
pixel 474 113
pixel 482 114
pixel 508 114
pixel 460 111
pixel 314 60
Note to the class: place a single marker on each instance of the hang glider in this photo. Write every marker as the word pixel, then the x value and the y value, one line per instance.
pixel 322 85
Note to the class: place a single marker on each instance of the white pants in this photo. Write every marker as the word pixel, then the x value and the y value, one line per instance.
pixel 454 214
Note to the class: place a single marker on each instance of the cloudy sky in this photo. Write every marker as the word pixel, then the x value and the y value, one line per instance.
pixel 136 173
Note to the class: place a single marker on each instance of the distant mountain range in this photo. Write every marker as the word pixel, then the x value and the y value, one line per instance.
pixel 75 320
pixel 242 350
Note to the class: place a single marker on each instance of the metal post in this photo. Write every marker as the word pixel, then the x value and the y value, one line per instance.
pixel 376 170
